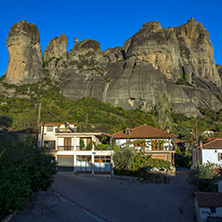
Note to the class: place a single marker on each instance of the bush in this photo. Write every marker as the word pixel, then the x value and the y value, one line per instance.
pixel 103 146
pixel 204 177
pixel 182 160
pixel 128 159
pixel 123 158
pixel 23 169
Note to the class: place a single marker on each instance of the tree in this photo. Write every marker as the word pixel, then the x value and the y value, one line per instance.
pixel 204 177
pixel 23 169
pixel 138 117
pixel 164 113
pixel 123 158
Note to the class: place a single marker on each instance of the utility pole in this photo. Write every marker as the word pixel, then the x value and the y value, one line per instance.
pixel 197 144
pixel 39 115
pixel 197 157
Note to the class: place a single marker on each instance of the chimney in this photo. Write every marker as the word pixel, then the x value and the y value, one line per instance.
pixel 168 130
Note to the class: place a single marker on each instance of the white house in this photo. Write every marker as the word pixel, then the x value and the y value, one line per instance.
pixel 149 139
pixel 211 151
pixel 208 206
pixel 80 152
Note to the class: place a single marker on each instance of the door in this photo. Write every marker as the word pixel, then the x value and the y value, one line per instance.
pixel 67 143
pixel 65 162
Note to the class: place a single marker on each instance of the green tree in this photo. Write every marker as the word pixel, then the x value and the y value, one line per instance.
pixel 123 158
pixel 138 117
pixel 204 177
pixel 23 169
pixel 164 113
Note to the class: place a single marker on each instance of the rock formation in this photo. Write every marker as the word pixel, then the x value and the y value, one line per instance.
pixel 131 84
pixel 25 57
pixel 149 64
pixel 182 51
pixel 55 56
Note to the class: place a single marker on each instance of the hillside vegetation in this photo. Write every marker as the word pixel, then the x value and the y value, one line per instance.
pixel 21 108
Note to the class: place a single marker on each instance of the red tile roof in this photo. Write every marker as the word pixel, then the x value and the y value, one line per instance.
pixel 205 199
pixel 144 131
pixel 106 134
pixel 29 131
pixel 216 143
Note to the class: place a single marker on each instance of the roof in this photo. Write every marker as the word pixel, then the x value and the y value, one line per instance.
pixel 144 131
pixel 179 141
pixel 106 134
pixel 56 124
pixel 205 199
pixel 29 131
pixel 214 144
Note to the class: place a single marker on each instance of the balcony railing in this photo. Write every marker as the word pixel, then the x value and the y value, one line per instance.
pixel 65 148
pixel 148 149
pixel 78 148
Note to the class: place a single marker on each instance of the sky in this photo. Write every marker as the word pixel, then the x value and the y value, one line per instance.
pixel 109 22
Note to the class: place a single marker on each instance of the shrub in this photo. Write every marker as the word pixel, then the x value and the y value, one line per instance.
pixel 204 177
pixel 123 158
pixel 82 144
pixel 182 160
pixel 103 146
pixel 23 170
pixel 90 145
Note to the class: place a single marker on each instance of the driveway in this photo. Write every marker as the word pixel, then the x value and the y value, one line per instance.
pixel 85 198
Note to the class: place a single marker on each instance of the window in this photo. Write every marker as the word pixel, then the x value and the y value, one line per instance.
pixel 139 143
pixel 102 164
pixel 213 210
pixel 84 163
pixel 49 128
pixel 219 156
pixel 49 144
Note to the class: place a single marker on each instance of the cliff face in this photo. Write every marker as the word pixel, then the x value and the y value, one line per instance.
pixel 25 57
pixel 182 51
pixel 133 76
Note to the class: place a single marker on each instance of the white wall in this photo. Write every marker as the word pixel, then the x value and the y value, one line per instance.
pixel 211 156
pixel 206 212
pixel 203 213
pixel 49 135
pixel 60 142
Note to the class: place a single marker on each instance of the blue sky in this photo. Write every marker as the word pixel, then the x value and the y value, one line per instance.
pixel 109 22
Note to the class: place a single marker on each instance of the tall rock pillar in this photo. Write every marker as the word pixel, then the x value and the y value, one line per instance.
pixel 25 64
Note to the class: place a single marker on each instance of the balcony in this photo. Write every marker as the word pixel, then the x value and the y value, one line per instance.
pixel 65 148
pixel 78 148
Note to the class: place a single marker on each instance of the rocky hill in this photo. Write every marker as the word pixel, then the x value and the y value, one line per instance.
pixel 178 61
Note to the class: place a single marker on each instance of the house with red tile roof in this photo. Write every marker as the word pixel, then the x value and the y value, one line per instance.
pixel 211 151
pixel 151 140
pixel 208 206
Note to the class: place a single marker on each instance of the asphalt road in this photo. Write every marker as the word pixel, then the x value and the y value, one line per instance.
pixel 110 199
